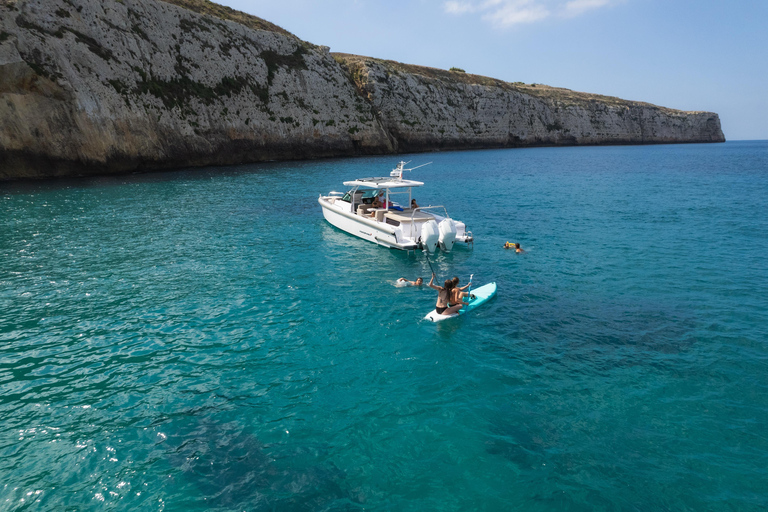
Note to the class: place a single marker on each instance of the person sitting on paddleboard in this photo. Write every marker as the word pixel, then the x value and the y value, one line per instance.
pixel 457 293
pixel 404 282
pixel 456 284
pixel 444 296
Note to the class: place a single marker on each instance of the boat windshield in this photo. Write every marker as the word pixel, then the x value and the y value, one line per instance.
pixel 361 196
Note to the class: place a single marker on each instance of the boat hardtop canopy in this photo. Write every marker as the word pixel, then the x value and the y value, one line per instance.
pixel 383 183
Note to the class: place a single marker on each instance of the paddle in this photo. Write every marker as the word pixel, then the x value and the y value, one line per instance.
pixel 469 292
pixel 426 255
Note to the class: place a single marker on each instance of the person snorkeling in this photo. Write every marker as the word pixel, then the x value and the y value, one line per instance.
pixel 513 245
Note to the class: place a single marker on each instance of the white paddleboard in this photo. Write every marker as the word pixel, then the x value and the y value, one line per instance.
pixel 482 295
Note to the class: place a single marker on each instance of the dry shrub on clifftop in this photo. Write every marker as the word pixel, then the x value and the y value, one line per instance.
pixel 226 13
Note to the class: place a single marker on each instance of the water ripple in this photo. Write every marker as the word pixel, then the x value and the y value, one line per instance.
pixel 203 340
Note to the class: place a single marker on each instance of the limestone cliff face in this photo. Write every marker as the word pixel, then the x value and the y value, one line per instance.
pixel 91 86
pixel 109 86
pixel 426 108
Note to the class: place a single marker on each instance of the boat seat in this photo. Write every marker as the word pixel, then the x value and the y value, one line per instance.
pixel 405 217
pixel 362 209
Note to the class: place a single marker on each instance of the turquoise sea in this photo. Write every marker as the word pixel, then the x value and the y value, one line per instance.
pixel 205 340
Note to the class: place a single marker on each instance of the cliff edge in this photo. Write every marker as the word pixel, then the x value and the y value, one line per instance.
pixel 426 108
pixel 114 86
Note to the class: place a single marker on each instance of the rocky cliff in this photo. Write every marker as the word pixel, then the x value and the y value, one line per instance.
pixel 425 108
pixel 111 86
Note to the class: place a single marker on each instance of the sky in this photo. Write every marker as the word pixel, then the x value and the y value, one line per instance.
pixel 689 55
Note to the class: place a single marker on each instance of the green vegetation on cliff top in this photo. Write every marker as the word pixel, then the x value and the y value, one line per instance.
pixel 227 13
pixel 356 62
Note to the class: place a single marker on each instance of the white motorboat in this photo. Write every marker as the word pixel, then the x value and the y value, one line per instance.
pixel 395 225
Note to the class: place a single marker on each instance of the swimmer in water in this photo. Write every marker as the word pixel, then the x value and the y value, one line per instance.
pixel 515 246
pixel 405 282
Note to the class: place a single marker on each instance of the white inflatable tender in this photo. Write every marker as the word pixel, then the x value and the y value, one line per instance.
pixel 430 235
pixel 447 229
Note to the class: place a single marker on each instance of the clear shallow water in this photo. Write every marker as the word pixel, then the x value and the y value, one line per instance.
pixel 204 340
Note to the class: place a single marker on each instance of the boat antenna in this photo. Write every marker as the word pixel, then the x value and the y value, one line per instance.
pixel 412 168
pixel 398 172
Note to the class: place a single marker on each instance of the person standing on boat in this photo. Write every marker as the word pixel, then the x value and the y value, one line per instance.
pixel 444 296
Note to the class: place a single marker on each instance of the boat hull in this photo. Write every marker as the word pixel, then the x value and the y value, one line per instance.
pixel 364 227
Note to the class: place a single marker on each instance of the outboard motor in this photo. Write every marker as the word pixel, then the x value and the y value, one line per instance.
pixel 447 229
pixel 430 235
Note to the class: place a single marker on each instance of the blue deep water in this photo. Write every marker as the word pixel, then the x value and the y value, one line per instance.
pixel 205 340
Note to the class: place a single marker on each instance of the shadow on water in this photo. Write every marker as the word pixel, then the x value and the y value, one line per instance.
pixel 522 435
pixel 232 470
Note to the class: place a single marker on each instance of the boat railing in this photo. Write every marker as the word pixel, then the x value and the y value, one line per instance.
pixel 420 208
pixel 431 208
